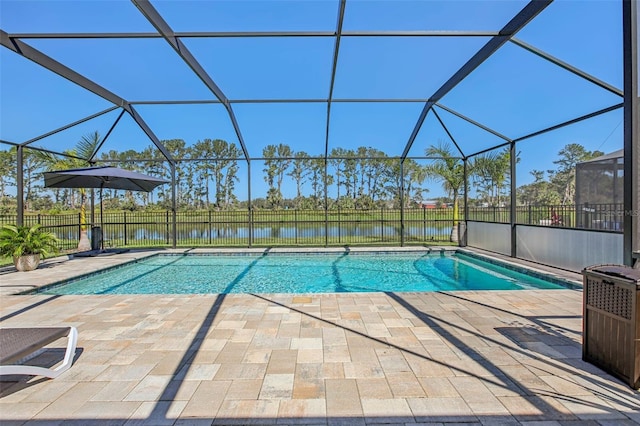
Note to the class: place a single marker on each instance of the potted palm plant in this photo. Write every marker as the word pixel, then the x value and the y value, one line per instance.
pixel 27 245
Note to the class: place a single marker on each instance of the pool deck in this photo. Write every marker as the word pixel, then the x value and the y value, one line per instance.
pixel 474 357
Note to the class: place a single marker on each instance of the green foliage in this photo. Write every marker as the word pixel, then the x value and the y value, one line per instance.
pixel 446 168
pixel 41 203
pixel 300 171
pixel 274 198
pixel 563 179
pixel 16 241
pixel 77 157
pixel 7 170
pixel 490 173
pixel 217 166
pixel 345 202
pixel 364 202
pixel 208 173
pixel 277 161
pixel 415 175
pixel 8 205
pixel 538 193
pixel 560 186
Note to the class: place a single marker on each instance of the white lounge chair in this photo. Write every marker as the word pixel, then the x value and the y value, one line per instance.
pixel 16 344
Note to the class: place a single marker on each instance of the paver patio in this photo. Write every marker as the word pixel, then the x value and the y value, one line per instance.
pixel 477 357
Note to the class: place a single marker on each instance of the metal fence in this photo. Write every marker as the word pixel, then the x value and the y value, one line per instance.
pixel 584 216
pixel 255 228
pixel 65 226
pixel 309 227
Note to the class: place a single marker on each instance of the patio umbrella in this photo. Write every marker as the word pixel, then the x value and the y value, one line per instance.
pixel 101 177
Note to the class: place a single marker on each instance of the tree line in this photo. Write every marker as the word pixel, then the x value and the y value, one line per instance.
pixel 208 174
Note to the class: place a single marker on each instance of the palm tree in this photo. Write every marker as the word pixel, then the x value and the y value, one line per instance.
pixel 448 170
pixel 81 154
pixel 492 172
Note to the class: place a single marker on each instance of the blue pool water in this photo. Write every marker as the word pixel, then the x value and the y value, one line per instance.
pixel 293 273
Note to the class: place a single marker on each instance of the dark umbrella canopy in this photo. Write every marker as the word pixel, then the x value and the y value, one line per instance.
pixel 101 177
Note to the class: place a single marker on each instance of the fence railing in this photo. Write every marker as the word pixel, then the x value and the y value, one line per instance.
pixel 584 216
pixel 255 228
pixel 65 226
pixel 308 227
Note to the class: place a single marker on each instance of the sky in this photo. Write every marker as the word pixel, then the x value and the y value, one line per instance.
pixel 514 92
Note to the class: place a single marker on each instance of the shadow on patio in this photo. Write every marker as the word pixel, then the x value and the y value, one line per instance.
pixel 352 359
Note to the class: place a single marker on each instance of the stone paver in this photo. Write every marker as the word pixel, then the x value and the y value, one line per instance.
pixel 474 357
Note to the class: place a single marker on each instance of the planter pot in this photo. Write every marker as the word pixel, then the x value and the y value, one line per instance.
pixel 27 262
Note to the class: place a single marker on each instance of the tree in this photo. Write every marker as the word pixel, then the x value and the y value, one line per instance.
pixel 204 150
pixel 217 164
pixel 232 176
pixel 79 157
pixel 271 170
pixel 492 171
pixel 131 199
pixel 350 174
pixel 178 149
pixel 7 170
pixel 317 177
pixel 32 165
pixel 161 167
pixel 277 161
pixel 362 168
pixel 563 179
pixel 449 171
pixel 391 181
pixel 415 175
pixel 337 160
pixel 300 170
pixel 537 193
pixel 345 202
pixel 373 173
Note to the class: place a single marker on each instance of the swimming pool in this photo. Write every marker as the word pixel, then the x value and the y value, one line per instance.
pixel 302 273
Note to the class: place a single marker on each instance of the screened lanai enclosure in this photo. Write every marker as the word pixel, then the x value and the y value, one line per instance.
pixel 600 185
pixel 329 123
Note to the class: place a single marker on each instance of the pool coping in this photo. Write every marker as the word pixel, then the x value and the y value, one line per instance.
pixel 575 278
pixel 64 268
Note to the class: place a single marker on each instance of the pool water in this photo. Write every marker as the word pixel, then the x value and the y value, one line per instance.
pixel 301 273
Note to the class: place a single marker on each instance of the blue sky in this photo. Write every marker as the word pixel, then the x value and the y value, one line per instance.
pixel 514 92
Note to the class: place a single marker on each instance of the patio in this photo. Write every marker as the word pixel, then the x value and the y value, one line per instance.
pixel 511 357
pixel 473 357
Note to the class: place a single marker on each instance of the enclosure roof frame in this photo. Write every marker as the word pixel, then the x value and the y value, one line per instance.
pixel 629 94
pixel 498 39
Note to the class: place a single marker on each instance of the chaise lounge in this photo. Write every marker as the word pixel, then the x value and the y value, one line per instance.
pixel 17 344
